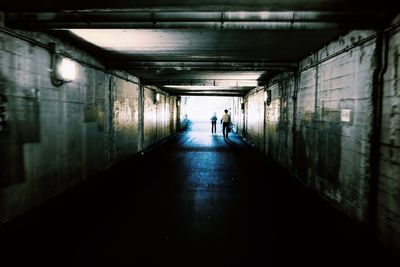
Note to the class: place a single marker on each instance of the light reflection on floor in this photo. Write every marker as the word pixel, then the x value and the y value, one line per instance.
pixel 197 200
pixel 210 177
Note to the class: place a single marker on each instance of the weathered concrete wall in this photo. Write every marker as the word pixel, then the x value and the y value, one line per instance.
pixel 334 118
pixel 327 151
pixel 173 115
pixel 183 111
pixel 125 117
pixel 150 117
pixel 159 116
pixel 52 138
pixel 55 136
pixel 329 105
pixel 389 179
pixel 254 124
pixel 237 115
pixel 279 120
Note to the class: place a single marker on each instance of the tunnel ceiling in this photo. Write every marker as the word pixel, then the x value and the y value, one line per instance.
pixel 200 47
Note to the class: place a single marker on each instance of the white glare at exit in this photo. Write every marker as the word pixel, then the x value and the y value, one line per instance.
pixel 201 108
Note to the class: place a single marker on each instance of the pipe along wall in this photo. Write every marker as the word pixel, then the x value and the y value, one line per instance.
pixel 322 124
pixel 54 137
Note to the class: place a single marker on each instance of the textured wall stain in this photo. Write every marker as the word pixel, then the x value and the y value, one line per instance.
pixel 396 71
pixel 3 113
pixel 329 149
pixel 11 137
pixel 54 140
pixel 110 137
pixel 94 113
pixel 123 113
pixel 304 143
pixel 90 113
pixel 394 130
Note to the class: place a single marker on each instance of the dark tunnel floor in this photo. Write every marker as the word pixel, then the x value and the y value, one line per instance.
pixel 197 200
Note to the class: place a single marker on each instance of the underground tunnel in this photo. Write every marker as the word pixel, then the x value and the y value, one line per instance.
pixel 107 152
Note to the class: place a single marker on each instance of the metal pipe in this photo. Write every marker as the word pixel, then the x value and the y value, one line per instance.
pixel 242 25
pixel 258 20
pixel 187 16
pixel 202 66
pixel 344 50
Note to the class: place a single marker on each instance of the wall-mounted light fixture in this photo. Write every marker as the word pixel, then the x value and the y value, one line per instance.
pixel 66 69
pixel 63 69
pixel 156 97
pixel 267 95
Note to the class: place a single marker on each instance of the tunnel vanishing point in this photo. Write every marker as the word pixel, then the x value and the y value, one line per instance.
pixel 86 86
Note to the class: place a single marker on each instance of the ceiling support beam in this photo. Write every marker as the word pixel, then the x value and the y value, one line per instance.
pixel 233 20
pixel 193 65
pixel 203 82
pixel 208 93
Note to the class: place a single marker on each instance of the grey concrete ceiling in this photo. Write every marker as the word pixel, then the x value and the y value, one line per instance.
pixel 200 47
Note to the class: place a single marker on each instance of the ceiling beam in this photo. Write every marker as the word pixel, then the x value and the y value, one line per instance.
pixel 234 20
pixel 201 65
pixel 202 82
pixel 189 93
pixel 208 92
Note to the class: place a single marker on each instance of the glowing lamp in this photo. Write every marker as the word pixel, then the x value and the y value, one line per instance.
pixel 66 70
pixel 62 69
pixel 156 97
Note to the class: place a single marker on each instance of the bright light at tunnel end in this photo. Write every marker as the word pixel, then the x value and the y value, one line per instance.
pixel 198 87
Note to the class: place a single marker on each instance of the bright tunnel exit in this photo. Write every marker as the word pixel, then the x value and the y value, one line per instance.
pixel 199 110
pixel 202 108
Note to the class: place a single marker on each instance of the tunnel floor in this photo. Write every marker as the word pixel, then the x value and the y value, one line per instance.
pixel 196 200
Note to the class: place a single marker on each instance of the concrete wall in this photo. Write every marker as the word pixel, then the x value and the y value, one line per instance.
pixel 125 118
pixel 183 111
pixel 52 138
pixel 389 179
pixel 254 121
pixel 319 125
pixel 279 118
pixel 332 153
pixel 237 115
pixel 327 153
pixel 160 117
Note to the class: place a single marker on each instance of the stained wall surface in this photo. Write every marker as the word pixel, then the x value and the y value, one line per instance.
pixel 54 137
pixel 254 121
pixel 160 117
pixel 389 178
pixel 237 115
pixel 319 125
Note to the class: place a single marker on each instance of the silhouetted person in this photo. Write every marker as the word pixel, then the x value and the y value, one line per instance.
pixel 214 123
pixel 226 120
